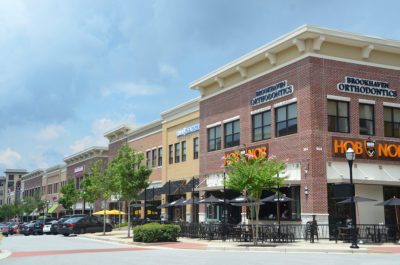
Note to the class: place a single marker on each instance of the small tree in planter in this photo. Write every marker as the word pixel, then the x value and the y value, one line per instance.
pixel 70 195
pixel 250 174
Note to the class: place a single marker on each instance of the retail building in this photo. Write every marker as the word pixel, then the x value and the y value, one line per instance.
pixel 306 97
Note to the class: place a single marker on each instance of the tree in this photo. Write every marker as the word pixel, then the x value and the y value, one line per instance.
pixel 89 192
pixel 100 184
pixel 29 205
pixel 70 195
pixel 18 208
pixel 251 175
pixel 132 175
pixel 7 211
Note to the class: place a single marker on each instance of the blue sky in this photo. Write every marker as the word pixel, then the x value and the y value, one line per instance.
pixel 72 70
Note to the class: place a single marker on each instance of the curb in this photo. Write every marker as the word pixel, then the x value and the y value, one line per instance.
pixel 4 253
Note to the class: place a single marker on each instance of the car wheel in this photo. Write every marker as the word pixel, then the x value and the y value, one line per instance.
pixel 26 234
pixel 6 235
pixel 66 234
pixel 82 231
pixel 55 233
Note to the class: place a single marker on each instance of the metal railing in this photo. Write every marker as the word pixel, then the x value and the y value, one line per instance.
pixel 290 232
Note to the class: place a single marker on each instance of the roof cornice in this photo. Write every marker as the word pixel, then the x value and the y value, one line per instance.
pixel 119 132
pixel 92 152
pixel 36 173
pixel 181 110
pixel 297 38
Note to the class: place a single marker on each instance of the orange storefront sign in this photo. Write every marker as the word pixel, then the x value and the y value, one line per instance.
pixel 256 152
pixel 367 148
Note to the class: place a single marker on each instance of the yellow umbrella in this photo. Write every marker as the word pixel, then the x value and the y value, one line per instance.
pixel 116 212
pixel 108 212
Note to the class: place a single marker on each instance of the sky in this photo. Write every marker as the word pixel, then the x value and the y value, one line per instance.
pixel 72 70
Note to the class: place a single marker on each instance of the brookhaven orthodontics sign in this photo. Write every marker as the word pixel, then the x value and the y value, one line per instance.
pixel 366 87
pixel 188 130
pixel 275 91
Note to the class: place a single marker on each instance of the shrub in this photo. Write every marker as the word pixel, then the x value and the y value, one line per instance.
pixel 121 225
pixel 155 232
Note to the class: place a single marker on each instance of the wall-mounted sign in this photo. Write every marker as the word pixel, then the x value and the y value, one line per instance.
pixel 275 91
pixel 79 170
pixel 256 151
pixel 367 148
pixel 366 87
pixel 188 130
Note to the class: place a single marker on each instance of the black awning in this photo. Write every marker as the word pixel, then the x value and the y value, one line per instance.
pixel 189 186
pixel 149 194
pixel 171 187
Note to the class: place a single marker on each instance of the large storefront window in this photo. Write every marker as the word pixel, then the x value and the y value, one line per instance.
pixel 232 133
pixel 286 120
pixel 214 138
pixel 261 126
pixel 338 116
pixel 367 123
pixel 392 122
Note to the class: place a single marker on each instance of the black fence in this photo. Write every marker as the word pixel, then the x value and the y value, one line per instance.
pixel 290 232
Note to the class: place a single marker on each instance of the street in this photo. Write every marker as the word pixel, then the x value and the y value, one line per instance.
pixel 79 251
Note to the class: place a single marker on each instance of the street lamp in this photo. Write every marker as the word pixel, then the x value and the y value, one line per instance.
pixel 350 156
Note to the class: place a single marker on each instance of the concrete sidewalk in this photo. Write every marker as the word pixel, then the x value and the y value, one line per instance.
pixel 322 246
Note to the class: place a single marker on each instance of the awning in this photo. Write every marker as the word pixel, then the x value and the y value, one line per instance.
pixel 52 209
pixel 193 183
pixel 171 187
pixel 149 194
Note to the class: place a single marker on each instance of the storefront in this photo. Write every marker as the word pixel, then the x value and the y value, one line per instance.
pixel 307 96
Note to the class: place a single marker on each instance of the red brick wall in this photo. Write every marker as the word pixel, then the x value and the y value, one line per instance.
pixel 114 148
pixel 313 79
pixel 149 142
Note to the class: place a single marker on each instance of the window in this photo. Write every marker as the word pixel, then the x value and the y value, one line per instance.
pixel 55 188
pixel 261 126
pixel 49 189
pixel 232 133
pixel 154 159
pixel 286 120
pixel 338 116
pixel 148 158
pixel 160 157
pixel 10 177
pixel 183 151
pixel 392 122
pixel 177 152
pixel 214 138
pixel 367 123
pixel 171 154
pixel 196 148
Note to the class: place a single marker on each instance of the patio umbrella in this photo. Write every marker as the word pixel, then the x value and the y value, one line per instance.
pixel 165 205
pixel 392 202
pixel 212 200
pixel 356 200
pixel 108 212
pixel 247 204
pixel 277 198
pixel 241 198
pixel 194 200
pixel 116 212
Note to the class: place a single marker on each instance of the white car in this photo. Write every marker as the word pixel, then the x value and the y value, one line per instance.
pixel 47 227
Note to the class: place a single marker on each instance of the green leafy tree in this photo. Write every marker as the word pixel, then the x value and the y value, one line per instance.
pixel 7 211
pixel 131 173
pixel 70 195
pixel 29 205
pixel 18 208
pixel 89 192
pixel 251 175
pixel 101 184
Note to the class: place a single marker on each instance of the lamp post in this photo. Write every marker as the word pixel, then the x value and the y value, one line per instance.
pixel 350 156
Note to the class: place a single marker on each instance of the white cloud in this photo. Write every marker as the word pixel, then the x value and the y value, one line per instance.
pixel 50 132
pixel 9 158
pixel 98 128
pixel 168 70
pixel 131 89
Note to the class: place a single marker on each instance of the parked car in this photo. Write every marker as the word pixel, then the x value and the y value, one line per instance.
pixel 27 229
pixel 4 229
pixel 65 218
pixel 81 225
pixel 13 227
pixel 39 224
pixel 50 227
